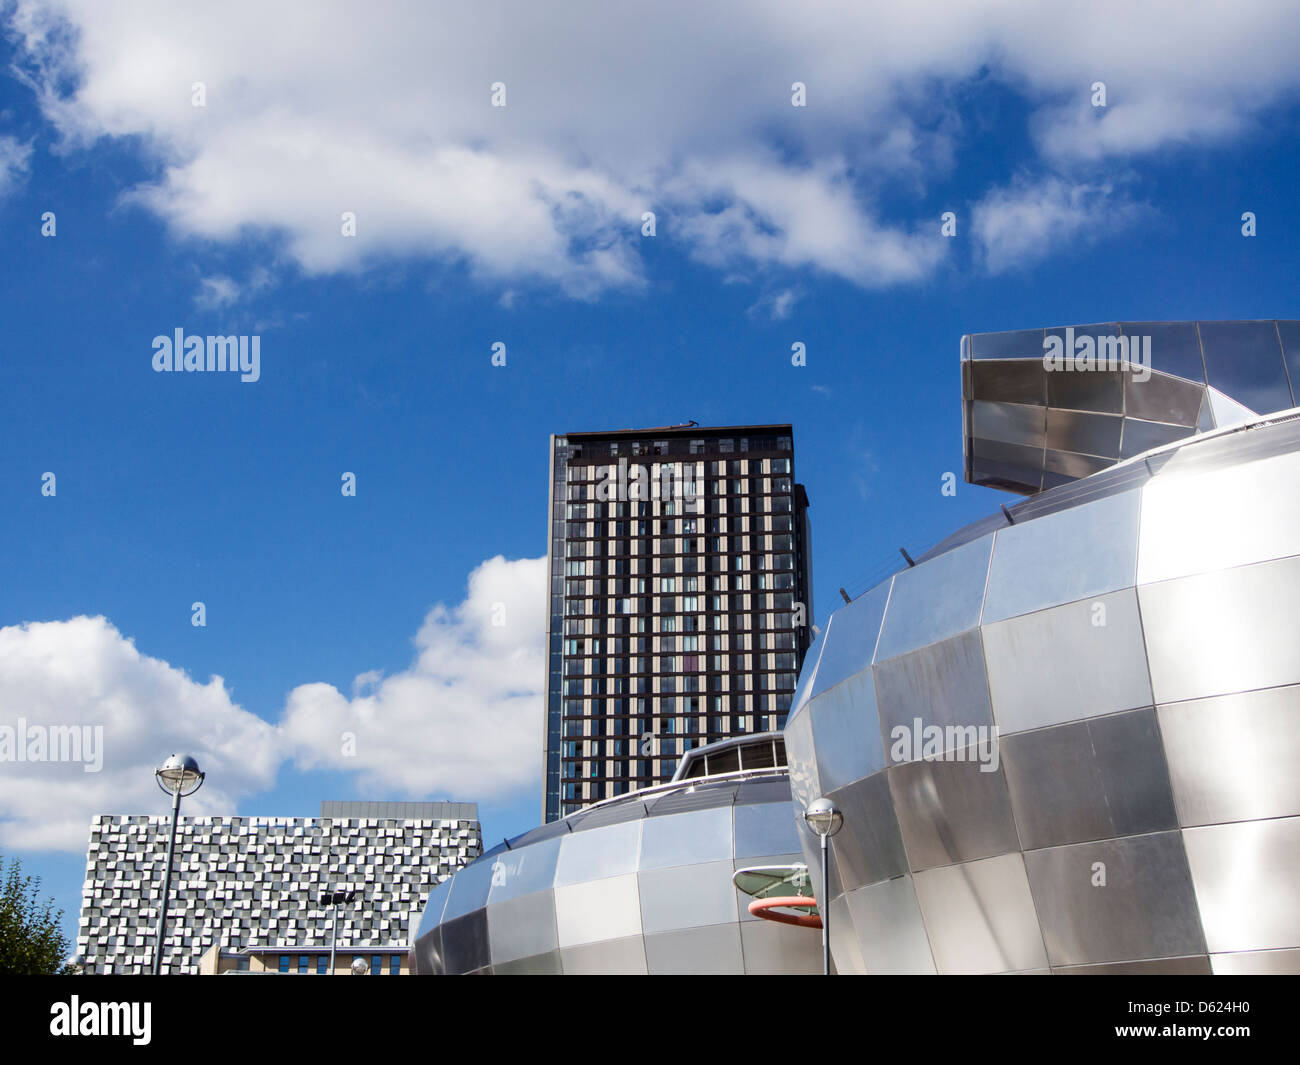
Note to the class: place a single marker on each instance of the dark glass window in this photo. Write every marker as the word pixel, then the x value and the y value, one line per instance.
pixel 724 762
pixel 284 963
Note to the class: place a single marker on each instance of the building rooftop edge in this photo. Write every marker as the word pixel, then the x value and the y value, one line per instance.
pixel 677 430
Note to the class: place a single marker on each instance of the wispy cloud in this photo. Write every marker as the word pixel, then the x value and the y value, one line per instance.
pixel 219 291
pixel 14 160
pixel 776 305
pixel 1025 222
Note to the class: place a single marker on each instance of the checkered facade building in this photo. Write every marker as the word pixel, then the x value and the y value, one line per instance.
pixel 258 881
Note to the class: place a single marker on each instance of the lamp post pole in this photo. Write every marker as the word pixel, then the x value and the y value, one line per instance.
pixel 179 776
pixel 161 931
pixel 334 932
pixel 332 900
pixel 825 819
pixel 825 908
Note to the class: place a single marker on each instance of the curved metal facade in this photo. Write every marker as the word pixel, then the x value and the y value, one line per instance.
pixel 1128 387
pixel 1132 642
pixel 640 884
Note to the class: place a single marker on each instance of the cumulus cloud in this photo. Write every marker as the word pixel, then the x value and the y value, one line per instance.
pixel 614 109
pixel 84 673
pixel 1020 224
pixel 465 718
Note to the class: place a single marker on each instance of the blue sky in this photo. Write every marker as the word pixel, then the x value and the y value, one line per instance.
pixel 522 225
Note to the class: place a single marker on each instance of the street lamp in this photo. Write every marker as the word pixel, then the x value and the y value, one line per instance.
pixel 824 818
pixel 359 967
pixel 334 899
pixel 178 776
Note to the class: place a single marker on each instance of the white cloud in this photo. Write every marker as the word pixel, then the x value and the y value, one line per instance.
pixel 776 305
pixel 613 109
pixel 796 218
pixel 83 672
pixel 464 719
pixel 219 291
pixel 14 159
pixel 216 292
pixel 1021 224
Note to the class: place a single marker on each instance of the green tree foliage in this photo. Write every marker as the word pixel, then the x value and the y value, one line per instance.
pixel 31 942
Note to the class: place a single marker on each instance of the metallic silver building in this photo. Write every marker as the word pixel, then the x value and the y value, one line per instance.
pixel 250 882
pixel 641 883
pixel 1066 739
pixel 680 601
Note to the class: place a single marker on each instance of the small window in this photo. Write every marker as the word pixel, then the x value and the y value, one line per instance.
pixel 322 964
pixel 724 761
pixel 758 756
pixel 284 963
pixel 376 964
pixel 395 965
pixel 304 960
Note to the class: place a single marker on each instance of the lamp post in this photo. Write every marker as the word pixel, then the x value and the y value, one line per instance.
pixel 824 818
pixel 178 776
pixel 333 899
